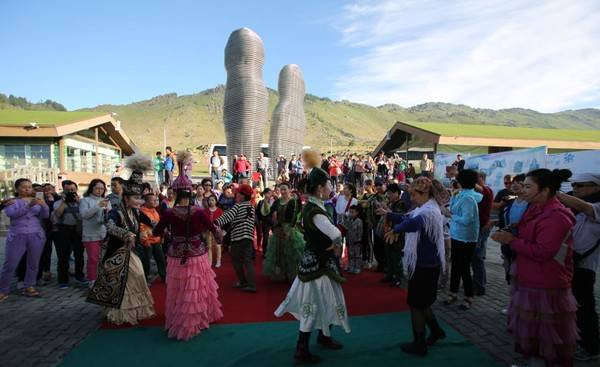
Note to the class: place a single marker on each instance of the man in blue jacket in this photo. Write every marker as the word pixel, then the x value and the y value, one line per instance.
pixel 169 166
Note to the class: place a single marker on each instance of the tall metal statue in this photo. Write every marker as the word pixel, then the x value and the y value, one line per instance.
pixel 289 123
pixel 246 98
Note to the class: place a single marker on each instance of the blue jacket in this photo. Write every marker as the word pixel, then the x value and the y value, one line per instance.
pixel 169 166
pixel 464 224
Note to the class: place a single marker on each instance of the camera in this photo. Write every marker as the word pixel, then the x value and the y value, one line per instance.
pixel 70 197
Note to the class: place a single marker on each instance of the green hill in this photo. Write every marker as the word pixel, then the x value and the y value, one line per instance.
pixel 194 121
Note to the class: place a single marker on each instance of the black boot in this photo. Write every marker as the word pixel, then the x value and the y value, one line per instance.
pixel 435 335
pixel 436 331
pixel 302 355
pixel 417 347
pixel 328 342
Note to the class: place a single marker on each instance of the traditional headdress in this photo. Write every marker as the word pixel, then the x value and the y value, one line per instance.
pixel 184 162
pixel 138 164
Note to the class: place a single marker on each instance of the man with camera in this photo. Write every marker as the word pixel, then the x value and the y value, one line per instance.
pixel 68 220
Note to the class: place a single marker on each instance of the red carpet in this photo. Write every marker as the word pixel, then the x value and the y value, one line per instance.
pixel 365 295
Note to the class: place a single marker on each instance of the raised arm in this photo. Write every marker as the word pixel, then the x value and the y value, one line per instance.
pixel 88 208
pixel 228 216
pixel 578 205
pixel 414 224
pixel 16 210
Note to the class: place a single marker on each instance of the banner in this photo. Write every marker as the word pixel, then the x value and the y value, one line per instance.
pixel 442 160
pixel 511 162
pixel 578 162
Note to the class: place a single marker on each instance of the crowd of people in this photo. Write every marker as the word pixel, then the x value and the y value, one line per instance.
pixel 325 220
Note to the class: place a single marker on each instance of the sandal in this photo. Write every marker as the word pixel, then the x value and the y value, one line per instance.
pixel 451 299
pixel 30 292
pixel 3 297
pixel 466 305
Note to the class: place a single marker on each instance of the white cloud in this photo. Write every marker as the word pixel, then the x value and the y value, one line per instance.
pixel 543 55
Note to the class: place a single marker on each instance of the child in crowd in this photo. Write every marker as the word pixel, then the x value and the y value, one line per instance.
pixel 214 212
pixel 151 245
pixel 354 234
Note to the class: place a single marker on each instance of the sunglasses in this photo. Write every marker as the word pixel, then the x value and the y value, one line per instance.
pixel 577 184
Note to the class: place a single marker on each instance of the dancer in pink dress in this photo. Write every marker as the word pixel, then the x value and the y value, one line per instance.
pixel 192 301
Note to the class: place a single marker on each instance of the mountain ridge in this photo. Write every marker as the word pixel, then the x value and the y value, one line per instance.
pixel 196 120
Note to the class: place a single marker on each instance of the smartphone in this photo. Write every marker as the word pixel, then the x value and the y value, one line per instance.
pixel 39 195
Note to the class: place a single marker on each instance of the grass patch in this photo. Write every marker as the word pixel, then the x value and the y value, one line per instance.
pixel 44 118
pixel 507 132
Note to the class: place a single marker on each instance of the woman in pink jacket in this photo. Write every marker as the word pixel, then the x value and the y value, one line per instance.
pixel 542 310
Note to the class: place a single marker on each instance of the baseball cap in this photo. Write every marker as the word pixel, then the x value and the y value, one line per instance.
pixel 586 177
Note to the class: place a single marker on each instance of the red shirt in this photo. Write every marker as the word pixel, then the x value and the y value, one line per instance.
pixel 485 206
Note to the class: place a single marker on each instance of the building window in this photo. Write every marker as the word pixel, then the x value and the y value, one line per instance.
pixel 81 157
pixel 80 160
pixel 31 155
pixel 39 156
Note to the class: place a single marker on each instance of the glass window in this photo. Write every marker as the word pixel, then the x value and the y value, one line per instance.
pixel 39 156
pixel 12 155
pixel 80 160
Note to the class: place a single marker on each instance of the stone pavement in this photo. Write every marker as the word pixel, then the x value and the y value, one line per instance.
pixel 41 331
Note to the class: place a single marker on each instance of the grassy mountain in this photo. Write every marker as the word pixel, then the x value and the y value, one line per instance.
pixel 194 121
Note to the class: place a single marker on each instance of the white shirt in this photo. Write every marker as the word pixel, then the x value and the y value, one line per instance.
pixel 340 206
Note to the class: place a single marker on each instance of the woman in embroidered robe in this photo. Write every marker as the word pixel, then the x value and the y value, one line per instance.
pixel 316 298
pixel 121 284
pixel 192 301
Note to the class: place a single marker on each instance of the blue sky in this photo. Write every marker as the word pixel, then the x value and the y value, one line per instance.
pixel 497 54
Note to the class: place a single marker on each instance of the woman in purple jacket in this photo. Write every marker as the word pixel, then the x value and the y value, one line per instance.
pixel 25 234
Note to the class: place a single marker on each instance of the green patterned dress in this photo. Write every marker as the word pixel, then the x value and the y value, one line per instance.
pixel 286 243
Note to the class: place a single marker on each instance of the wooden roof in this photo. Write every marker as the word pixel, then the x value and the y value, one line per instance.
pixel 53 124
pixel 487 136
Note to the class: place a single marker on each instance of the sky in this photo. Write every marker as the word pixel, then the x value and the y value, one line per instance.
pixel 543 55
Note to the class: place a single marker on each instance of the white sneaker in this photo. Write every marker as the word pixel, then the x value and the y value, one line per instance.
pixel 218 264
pixel 504 311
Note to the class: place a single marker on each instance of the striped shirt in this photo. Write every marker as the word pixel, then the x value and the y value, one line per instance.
pixel 241 217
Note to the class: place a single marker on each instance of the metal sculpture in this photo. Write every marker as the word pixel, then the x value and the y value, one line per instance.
pixel 246 97
pixel 289 123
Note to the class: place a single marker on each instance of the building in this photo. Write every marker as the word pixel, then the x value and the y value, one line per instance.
pixel 411 139
pixel 43 145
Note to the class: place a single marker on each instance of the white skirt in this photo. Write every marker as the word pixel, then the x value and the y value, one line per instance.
pixel 316 304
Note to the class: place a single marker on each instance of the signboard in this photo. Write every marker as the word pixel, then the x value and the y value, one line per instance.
pixel 578 162
pixel 512 162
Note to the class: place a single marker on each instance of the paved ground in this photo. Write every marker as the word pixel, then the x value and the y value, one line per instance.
pixel 40 332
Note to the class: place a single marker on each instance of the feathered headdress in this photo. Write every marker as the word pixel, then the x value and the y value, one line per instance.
pixel 137 164
pixel 184 162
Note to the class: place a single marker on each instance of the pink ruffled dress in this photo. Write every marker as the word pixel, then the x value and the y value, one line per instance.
pixel 192 301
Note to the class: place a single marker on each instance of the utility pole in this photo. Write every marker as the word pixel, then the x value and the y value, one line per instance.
pixel 164 134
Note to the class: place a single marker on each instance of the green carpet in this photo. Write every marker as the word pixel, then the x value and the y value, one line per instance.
pixel 374 341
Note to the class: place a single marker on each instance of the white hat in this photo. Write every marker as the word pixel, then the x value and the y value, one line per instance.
pixel 586 177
